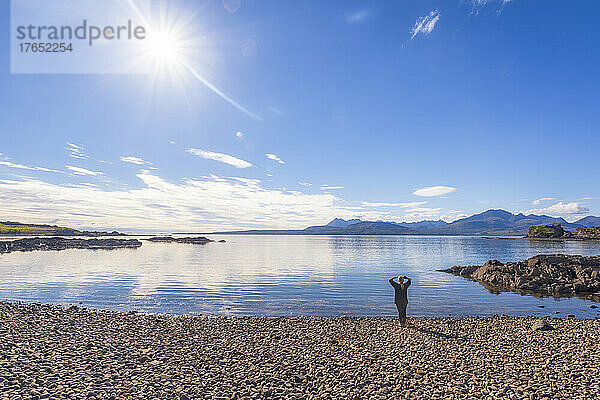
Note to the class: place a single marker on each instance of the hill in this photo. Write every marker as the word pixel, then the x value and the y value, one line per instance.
pixel 589 221
pixel 8 228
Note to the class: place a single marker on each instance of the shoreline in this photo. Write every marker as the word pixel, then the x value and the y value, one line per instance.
pixel 49 351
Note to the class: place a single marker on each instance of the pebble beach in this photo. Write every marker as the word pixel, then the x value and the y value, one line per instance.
pixel 54 352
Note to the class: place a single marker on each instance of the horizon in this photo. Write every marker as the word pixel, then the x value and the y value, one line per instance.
pixel 283 115
pixel 173 230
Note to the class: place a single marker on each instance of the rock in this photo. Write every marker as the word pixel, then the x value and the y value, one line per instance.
pixel 557 232
pixel 185 240
pixel 542 325
pixel 593 306
pixel 555 275
pixel 546 231
pixel 58 243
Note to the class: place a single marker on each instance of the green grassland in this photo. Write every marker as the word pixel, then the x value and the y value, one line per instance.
pixel 16 228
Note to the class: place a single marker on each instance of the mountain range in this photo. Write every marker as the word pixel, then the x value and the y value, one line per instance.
pixel 491 222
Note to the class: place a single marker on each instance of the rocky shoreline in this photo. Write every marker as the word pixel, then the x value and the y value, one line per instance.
pixel 557 275
pixel 58 243
pixel 50 352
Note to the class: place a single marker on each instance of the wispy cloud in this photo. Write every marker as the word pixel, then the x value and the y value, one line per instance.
pixel 433 191
pixel 560 209
pixel 358 16
pixel 26 167
pixel 328 187
pixel 275 110
pixel 425 25
pixel 275 158
pixel 305 183
pixel 76 151
pixel 134 160
pixel 82 171
pixel 540 200
pixel 220 157
pixel 478 5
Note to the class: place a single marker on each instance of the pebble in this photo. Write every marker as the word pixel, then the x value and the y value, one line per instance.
pixel 59 353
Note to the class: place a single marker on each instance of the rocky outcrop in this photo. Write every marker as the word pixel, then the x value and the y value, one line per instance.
pixel 553 275
pixel 557 232
pixel 592 233
pixel 546 231
pixel 186 240
pixel 58 243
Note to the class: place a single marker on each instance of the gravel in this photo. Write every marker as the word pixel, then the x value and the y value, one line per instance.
pixel 52 352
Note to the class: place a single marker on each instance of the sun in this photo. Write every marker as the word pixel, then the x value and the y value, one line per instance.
pixel 164 47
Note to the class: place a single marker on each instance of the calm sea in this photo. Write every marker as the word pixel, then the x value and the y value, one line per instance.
pixel 285 275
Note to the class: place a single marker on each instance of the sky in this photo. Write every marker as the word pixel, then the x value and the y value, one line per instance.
pixel 273 114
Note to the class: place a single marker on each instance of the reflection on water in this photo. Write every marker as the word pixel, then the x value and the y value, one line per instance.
pixel 279 275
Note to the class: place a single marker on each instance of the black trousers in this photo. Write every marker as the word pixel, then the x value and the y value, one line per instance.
pixel 401 311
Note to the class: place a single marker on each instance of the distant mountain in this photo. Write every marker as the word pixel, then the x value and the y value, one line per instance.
pixel 341 223
pixel 490 222
pixel 424 224
pixel 589 221
pixel 499 222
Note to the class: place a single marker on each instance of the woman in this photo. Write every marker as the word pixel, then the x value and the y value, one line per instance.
pixel 401 296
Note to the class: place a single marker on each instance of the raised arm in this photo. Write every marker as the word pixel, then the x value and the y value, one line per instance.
pixel 392 282
pixel 408 281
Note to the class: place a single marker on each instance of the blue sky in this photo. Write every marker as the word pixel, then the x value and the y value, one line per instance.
pixel 373 109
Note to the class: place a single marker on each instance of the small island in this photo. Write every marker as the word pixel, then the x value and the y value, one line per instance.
pixel 556 231
pixel 184 240
pixel 556 275
pixel 58 243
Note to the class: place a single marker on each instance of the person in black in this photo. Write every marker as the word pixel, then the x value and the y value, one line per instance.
pixel 401 296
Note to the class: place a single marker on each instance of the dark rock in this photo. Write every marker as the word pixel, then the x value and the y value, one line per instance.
pixel 555 274
pixel 593 306
pixel 58 243
pixel 542 325
pixel 186 240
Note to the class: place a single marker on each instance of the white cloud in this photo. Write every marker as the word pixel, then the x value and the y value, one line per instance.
pixel 559 209
pixel 202 204
pixel 76 151
pixel 275 158
pixel 134 160
pixel 403 205
pixel 172 142
pixel 327 187
pixel 425 25
pixel 358 16
pixel 220 157
pixel 434 191
pixel 539 201
pixel 26 167
pixel 239 134
pixel 82 171
pixel 269 175
pixel 305 183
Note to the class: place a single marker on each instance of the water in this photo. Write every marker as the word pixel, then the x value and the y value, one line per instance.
pixel 283 275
